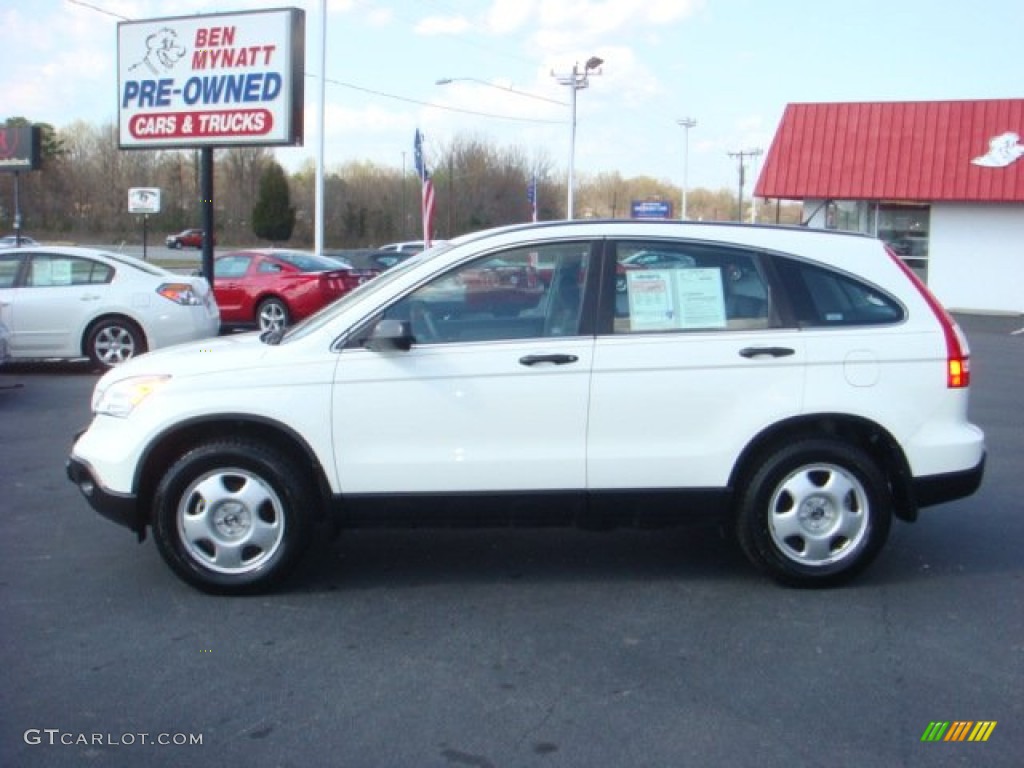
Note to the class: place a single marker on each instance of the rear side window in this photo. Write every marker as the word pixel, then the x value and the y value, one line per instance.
pixel 823 297
pixel 47 271
pixel 670 286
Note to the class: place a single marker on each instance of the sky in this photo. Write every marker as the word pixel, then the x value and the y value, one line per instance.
pixel 730 65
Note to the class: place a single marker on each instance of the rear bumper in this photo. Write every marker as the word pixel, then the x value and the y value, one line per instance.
pixel 938 489
pixel 123 509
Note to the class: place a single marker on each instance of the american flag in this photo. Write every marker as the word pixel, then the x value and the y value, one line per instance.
pixel 531 195
pixel 427 201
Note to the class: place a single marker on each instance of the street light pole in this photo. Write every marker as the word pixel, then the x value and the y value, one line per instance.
pixel 576 81
pixel 687 123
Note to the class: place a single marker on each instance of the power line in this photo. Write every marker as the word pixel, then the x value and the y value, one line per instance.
pixel 96 8
pixel 433 105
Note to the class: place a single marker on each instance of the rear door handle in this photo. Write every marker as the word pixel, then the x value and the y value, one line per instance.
pixel 766 352
pixel 556 359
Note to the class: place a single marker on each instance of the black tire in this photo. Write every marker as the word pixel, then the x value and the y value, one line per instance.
pixel 113 341
pixel 272 314
pixel 176 245
pixel 814 513
pixel 233 516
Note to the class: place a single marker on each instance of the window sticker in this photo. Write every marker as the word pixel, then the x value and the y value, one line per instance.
pixel 701 300
pixel 675 299
pixel 650 301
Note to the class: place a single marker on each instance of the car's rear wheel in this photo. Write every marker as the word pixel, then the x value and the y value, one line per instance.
pixel 114 341
pixel 272 314
pixel 233 516
pixel 814 513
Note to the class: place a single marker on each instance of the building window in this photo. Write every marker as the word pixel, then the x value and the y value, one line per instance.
pixel 905 229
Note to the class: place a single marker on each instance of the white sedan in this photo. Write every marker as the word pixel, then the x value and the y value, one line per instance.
pixel 64 302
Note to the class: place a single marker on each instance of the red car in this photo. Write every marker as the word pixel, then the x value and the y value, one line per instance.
pixel 189 238
pixel 273 288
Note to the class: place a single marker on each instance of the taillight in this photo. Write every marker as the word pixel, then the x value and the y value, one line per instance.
pixel 958 358
pixel 180 293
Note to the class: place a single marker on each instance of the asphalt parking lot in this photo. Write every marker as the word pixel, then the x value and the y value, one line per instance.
pixel 507 647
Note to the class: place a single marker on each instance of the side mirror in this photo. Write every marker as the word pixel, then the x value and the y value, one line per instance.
pixel 390 334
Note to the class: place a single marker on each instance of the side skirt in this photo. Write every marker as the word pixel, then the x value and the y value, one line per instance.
pixel 594 510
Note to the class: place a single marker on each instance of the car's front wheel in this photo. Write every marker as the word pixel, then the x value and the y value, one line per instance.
pixel 272 314
pixel 815 512
pixel 114 341
pixel 233 516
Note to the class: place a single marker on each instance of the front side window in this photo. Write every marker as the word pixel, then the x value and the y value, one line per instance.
pixel 529 292
pixel 662 286
pixel 10 263
pixel 231 266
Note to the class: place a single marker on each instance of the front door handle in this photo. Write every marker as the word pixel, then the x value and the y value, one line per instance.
pixel 556 359
pixel 766 352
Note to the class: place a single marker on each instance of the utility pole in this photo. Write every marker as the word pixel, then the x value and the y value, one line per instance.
pixel 687 123
pixel 740 155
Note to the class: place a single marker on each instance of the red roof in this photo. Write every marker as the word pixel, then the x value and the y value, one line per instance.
pixel 908 150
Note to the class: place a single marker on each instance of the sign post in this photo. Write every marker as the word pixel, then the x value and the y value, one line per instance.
pixel 144 200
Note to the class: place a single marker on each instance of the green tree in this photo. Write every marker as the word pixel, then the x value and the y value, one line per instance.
pixel 273 216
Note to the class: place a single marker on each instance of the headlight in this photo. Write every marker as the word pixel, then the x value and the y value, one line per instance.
pixel 121 397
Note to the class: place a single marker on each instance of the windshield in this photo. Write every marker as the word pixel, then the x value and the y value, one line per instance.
pixel 307 262
pixel 319 319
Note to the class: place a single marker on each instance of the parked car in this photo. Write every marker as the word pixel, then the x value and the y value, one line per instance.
pixel 188 238
pixel 13 240
pixel 650 260
pixel 805 420
pixel 5 343
pixel 273 288
pixel 374 260
pixel 409 246
pixel 65 302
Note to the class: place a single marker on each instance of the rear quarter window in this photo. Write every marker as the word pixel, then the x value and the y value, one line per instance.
pixel 821 297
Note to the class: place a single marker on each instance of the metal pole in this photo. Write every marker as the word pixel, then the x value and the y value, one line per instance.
pixel 318 232
pixel 572 145
pixel 17 209
pixel 687 123
pixel 206 204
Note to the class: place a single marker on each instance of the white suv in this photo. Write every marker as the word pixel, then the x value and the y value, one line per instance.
pixel 802 385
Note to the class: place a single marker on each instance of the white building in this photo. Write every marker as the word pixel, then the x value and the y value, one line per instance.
pixel 941 181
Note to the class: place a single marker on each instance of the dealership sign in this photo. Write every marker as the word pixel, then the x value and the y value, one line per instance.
pixel 19 147
pixel 212 80
pixel 651 209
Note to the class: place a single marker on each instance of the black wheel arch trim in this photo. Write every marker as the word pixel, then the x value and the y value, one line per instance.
pixel 871 437
pixel 173 442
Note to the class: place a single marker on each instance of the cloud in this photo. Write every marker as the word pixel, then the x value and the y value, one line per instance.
pixel 442 25
pixel 570 25
pixel 508 16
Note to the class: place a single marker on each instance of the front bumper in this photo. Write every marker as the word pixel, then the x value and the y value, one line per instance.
pixel 123 509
